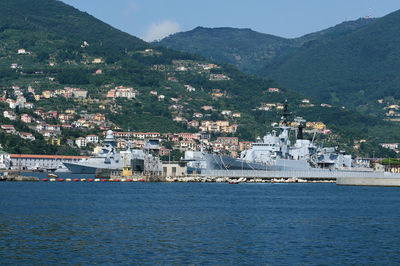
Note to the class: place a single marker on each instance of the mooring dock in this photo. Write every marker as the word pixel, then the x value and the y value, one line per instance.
pixel 345 177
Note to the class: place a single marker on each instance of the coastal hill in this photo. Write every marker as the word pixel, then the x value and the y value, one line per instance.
pixel 64 75
pixel 355 69
pixel 53 16
pixel 353 64
pixel 247 49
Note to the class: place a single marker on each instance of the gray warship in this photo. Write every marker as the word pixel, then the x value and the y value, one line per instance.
pixel 109 158
pixel 275 152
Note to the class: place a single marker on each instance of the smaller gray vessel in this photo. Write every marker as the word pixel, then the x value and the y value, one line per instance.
pixel 110 158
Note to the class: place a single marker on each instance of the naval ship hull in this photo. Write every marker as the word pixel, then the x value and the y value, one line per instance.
pixel 75 168
pixel 221 162
pixel 218 162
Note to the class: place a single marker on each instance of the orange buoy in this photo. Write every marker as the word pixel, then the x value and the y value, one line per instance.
pixel 90 180
pixel 76 179
pixel 60 180
pixel 103 180
pixel 45 180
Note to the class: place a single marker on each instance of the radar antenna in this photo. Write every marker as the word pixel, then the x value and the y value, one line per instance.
pixel 300 121
pixel 285 114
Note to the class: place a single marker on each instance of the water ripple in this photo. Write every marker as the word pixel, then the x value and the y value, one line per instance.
pixel 140 223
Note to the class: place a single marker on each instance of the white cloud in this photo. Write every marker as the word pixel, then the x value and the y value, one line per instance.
pixel 159 30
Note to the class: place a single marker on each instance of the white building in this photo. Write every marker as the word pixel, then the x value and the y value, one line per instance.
pixel 92 139
pixel 4 160
pixel 33 162
pixel 10 115
pixel 80 142
pixel 23 51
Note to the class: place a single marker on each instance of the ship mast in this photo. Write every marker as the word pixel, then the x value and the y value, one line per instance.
pixel 285 114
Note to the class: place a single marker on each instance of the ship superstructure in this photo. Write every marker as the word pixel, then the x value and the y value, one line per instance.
pixel 110 158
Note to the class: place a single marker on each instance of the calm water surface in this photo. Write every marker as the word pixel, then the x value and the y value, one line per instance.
pixel 194 223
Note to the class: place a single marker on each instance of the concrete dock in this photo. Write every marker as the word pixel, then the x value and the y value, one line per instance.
pixel 343 177
pixel 389 181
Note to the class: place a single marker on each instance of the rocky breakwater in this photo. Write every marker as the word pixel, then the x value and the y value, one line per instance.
pixel 203 179
pixel 18 178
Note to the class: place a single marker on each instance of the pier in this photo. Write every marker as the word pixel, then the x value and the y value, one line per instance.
pixel 344 177
pixel 308 174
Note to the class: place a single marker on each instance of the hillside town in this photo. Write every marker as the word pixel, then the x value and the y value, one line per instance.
pixel 209 126
pixel 211 134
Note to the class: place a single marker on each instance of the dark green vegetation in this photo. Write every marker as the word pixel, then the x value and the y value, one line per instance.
pixel 249 50
pixel 55 17
pixel 354 69
pixel 352 64
pixel 390 161
pixel 71 40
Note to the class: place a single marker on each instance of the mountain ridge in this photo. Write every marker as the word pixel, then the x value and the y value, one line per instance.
pixel 247 49
pixel 51 16
pixel 355 69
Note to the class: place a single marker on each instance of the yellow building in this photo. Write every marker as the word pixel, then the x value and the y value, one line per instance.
pixel 54 141
pixel 70 111
pixel 221 123
pixel 46 94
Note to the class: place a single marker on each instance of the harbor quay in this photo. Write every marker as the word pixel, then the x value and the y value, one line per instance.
pixel 314 174
pixel 387 181
pixel 352 178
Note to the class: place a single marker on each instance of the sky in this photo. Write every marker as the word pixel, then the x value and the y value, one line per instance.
pixel 155 19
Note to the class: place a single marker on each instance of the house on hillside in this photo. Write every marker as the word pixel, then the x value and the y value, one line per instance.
pixel 27 135
pixel 10 115
pixel 226 112
pixel 26 118
pixel 228 141
pixel 47 94
pixel 97 61
pixel 92 139
pixel 197 115
pixel 80 142
pixel 23 51
pixel 273 90
pixel 189 88
pixel 194 123
pixel 79 93
pixel 9 129
pixel 236 115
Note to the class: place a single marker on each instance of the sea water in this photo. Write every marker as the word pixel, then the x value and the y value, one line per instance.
pixel 198 223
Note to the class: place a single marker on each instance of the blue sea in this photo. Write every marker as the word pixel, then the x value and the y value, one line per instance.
pixel 198 224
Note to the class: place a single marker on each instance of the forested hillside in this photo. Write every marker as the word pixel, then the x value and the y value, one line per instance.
pixel 356 69
pixel 249 50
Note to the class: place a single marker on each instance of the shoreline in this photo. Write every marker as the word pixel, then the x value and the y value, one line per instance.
pixel 198 179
